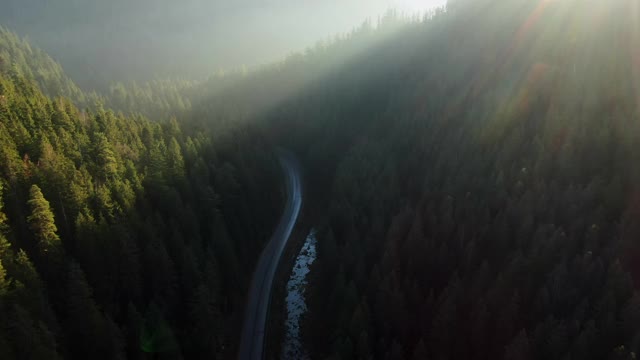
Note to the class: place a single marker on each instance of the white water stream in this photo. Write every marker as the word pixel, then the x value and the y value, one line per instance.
pixel 292 348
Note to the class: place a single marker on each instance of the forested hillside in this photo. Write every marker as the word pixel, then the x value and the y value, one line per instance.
pixel 159 100
pixel 475 171
pixel 481 171
pixel 124 235
pixel 18 55
pixel 120 235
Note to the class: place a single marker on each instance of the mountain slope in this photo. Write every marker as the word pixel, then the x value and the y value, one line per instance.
pixel 477 169
pixel 484 201
pixel 120 236
pixel 18 56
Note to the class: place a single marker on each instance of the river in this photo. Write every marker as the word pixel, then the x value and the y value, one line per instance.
pixel 292 348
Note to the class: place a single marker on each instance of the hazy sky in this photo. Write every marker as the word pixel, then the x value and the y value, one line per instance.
pixel 210 34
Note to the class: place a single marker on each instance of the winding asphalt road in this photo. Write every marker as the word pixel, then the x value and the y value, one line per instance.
pixel 255 317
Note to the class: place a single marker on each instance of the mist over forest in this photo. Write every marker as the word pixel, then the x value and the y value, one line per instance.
pixel 441 181
pixel 100 42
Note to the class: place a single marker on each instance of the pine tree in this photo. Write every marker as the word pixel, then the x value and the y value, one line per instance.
pixel 29 291
pixel 133 333
pixel 175 161
pixel 4 249
pixel 157 337
pixel 42 223
pixel 89 334
pixel 5 348
pixel 29 337
pixel 204 315
pixel 159 270
pixel 105 158
pixel 4 282
pixel 3 217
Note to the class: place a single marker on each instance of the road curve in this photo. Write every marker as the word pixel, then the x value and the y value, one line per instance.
pixel 255 316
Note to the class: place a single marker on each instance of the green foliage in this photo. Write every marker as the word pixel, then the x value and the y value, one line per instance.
pixel 478 174
pixel 121 214
pixel 4 281
pixel 88 332
pixel 478 171
pixel 3 216
pixel 29 337
pixel 42 223
pixel 28 63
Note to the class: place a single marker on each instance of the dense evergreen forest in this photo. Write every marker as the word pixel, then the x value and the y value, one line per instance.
pixel 120 235
pixel 483 187
pixel 476 169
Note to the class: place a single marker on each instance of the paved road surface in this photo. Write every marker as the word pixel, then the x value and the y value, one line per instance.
pixel 255 318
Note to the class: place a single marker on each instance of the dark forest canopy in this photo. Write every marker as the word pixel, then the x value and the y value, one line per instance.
pixel 121 236
pixel 476 169
pixel 484 201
